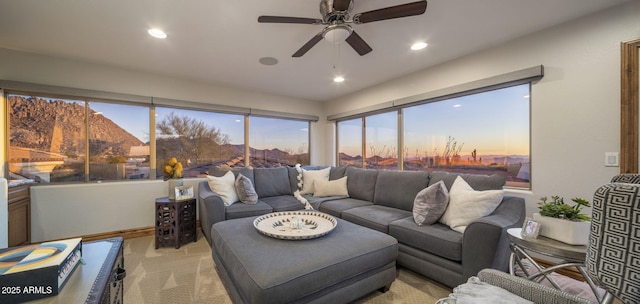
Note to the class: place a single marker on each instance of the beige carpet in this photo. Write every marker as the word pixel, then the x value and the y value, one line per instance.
pixel 187 275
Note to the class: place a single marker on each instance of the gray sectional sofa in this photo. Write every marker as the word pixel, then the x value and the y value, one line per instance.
pixel 383 200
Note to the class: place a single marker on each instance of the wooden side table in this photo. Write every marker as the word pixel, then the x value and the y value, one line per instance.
pixel 175 222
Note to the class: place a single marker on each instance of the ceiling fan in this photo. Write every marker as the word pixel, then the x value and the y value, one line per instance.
pixel 336 16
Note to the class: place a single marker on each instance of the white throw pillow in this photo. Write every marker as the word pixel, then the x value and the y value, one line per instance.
pixel 225 187
pixel 336 187
pixel 467 205
pixel 310 176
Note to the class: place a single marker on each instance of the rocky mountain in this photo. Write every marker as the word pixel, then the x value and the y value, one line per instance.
pixel 347 157
pixel 57 126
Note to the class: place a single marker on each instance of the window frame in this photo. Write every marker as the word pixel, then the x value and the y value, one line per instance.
pixel 629 105
pixel 157 108
pixel 248 131
pixel 526 76
pixel 87 96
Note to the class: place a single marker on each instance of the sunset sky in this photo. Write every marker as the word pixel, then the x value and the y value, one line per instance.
pixel 493 123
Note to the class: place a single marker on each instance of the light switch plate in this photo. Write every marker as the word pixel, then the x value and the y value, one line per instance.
pixel 611 159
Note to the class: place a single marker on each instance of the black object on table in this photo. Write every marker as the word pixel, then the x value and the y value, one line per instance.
pixel 98 279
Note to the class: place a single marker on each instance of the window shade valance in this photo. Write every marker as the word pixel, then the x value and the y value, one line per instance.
pixel 58 91
pixel 496 82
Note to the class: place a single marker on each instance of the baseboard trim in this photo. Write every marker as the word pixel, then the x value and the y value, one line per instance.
pixel 126 234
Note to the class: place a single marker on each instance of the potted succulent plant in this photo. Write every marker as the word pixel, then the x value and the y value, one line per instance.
pixel 564 222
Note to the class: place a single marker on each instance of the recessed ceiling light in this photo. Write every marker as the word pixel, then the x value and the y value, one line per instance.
pixel 338 79
pixel 268 61
pixel 457 105
pixel 158 33
pixel 418 46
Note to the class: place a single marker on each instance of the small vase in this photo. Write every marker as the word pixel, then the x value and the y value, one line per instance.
pixel 566 231
pixel 173 183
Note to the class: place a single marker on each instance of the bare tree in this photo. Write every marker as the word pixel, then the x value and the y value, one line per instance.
pixel 451 150
pixel 190 139
pixel 377 154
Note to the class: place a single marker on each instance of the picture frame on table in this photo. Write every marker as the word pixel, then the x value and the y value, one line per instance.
pixel 184 192
pixel 530 228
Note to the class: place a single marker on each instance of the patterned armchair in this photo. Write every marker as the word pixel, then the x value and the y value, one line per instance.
pixel 628 178
pixel 613 253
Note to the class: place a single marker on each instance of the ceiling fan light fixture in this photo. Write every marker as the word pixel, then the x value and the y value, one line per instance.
pixel 337 17
pixel 337 33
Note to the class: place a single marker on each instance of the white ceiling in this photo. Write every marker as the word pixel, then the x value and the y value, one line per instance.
pixel 215 41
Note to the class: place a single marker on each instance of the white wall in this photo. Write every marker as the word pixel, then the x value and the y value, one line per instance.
pixel 574 108
pixel 60 211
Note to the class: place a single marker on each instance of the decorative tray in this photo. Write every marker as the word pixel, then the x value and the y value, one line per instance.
pixel 295 225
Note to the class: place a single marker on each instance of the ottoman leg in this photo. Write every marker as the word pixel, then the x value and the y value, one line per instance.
pixel 385 288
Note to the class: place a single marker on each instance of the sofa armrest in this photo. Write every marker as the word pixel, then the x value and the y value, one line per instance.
pixel 485 243
pixel 212 209
pixel 528 290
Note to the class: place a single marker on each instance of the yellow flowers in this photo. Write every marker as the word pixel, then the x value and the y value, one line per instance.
pixel 173 169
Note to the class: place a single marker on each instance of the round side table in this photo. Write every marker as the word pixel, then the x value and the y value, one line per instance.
pixel 570 255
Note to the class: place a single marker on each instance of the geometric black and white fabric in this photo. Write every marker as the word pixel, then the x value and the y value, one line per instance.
pixel 613 254
pixel 628 178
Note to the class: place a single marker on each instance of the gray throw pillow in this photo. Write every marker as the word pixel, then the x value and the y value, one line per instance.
pixel 246 193
pixel 430 204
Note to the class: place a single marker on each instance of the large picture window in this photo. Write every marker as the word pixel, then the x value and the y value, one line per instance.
pixel 198 139
pixel 118 141
pixel 278 142
pixel 381 136
pixel 46 138
pixel 481 133
pixel 350 143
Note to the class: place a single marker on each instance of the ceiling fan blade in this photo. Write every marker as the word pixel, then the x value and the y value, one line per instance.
pixel 307 46
pixel 341 5
pixel 398 11
pixel 358 44
pixel 281 19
